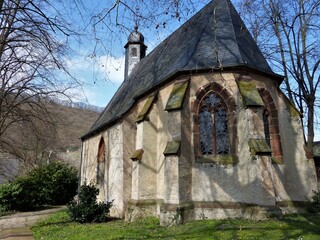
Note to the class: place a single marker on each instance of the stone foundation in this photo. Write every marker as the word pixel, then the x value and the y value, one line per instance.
pixel 172 214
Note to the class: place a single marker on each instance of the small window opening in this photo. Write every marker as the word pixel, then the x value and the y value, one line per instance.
pixel 134 52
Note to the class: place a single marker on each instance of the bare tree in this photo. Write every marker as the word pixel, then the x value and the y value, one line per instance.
pixel 33 50
pixel 112 24
pixel 288 32
pixel 34 38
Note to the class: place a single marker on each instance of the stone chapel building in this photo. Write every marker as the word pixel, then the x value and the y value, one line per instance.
pixel 199 129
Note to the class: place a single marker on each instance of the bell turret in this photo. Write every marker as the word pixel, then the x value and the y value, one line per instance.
pixel 135 51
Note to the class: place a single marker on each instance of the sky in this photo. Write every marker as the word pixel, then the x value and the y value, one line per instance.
pixel 99 64
pixel 99 59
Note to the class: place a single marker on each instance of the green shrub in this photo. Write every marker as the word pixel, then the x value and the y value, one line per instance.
pixel 87 209
pixel 52 184
pixel 20 195
pixel 8 193
pixel 315 204
pixel 57 183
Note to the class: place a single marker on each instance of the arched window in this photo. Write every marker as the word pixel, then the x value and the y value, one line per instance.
pixel 213 124
pixel 101 162
pixel 271 126
pixel 266 126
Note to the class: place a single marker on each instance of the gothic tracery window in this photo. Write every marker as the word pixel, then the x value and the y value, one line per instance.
pixel 214 139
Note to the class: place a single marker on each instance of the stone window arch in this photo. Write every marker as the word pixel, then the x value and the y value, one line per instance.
pixel 101 160
pixel 214 128
pixel 271 125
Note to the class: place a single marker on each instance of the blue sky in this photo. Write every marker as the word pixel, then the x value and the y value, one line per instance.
pixel 100 67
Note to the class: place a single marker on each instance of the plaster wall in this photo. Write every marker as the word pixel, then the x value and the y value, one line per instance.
pixel 89 159
pixel 157 179
pixel 129 129
pixel 163 136
pixel 298 172
pixel 213 182
pixel 112 188
pixel 295 179
pixel 254 179
pixel 144 175
pixel 185 160
pixel 135 164
pixel 115 174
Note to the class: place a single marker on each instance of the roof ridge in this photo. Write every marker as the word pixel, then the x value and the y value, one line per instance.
pixel 230 5
pixel 196 46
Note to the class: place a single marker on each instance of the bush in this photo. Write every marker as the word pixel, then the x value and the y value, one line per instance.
pixel 315 204
pixel 57 181
pixel 8 193
pixel 87 209
pixel 20 195
pixel 52 184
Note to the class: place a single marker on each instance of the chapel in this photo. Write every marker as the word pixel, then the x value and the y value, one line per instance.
pixel 199 129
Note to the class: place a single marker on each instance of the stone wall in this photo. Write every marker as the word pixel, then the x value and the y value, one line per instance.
pixel 112 188
pixel 183 185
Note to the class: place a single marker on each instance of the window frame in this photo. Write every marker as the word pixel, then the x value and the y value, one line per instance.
pixel 273 123
pixel 212 110
pixel 228 102
pixel 101 162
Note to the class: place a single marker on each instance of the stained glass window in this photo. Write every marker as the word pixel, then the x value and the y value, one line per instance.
pixel 206 132
pixel 266 127
pixel 214 139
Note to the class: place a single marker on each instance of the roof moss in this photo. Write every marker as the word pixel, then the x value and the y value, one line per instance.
pixel 177 95
pixel 146 108
pixel 259 147
pixel 172 148
pixel 250 94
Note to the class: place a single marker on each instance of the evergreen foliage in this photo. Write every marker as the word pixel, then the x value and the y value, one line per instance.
pixel 315 204
pixel 87 209
pixel 52 184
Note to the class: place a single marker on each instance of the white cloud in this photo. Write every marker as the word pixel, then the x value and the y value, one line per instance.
pixel 112 68
pixel 106 68
pixel 100 77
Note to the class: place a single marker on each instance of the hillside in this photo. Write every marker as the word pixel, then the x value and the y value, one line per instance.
pixel 58 141
pixel 71 124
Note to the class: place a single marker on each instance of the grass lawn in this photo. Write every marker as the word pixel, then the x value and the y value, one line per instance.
pixel 59 226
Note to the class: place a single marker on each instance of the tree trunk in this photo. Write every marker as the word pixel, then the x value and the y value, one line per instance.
pixel 310 125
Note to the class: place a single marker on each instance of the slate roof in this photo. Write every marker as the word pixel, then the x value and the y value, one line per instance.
pixel 212 39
